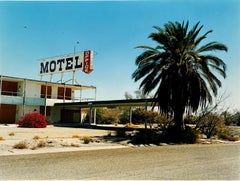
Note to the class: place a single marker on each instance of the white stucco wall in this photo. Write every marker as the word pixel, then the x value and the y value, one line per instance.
pixel 33 90
pixel 22 110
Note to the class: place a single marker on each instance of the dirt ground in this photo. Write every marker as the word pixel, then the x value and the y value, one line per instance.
pixel 15 140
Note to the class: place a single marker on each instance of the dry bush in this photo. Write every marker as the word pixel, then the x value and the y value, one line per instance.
pixel 227 136
pixel 87 139
pixel 11 134
pixel 36 137
pixel 1 138
pixel 210 124
pixel 41 144
pixel 75 145
pixel 76 136
pixel 21 145
pixel 128 125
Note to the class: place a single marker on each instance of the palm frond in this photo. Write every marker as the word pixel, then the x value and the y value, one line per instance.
pixel 212 46
pixel 178 69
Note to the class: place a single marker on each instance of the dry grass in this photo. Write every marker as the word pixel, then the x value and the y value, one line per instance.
pixel 227 136
pixel 128 125
pixel 75 145
pixel 21 145
pixel 76 136
pixel 41 144
pixel 36 137
pixel 1 138
pixel 11 134
pixel 87 139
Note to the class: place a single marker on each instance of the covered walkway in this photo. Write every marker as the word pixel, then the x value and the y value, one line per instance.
pixel 109 103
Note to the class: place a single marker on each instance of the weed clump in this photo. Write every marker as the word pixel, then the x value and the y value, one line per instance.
pixel 21 145
pixel 36 137
pixel 76 136
pixel 227 136
pixel 87 139
pixel 1 138
pixel 11 134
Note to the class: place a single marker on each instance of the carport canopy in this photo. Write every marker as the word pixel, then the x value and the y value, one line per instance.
pixel 108 103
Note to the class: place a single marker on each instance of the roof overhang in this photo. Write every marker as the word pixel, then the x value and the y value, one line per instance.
pixel 109 103
pixel 73 86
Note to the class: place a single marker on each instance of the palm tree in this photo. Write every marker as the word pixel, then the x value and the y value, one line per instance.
pixel 180 69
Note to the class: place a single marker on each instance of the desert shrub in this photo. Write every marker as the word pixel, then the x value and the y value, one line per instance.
pixel 1 138
pixel 147 136
pixel 33 120
pixel 227 136
pixel 36 137
pixel 75 145
pixel 121 133
pixel 124 116
pixel 21 145
pixel 87 139
pixel 188 135
pixel 105 116
pixel 232 120
pixel 164 122
pixel 41 144
pixel 11 134
pixel 190 119
pixel 76 136
pixel 210 124
pixel 168 135
pixel 139 116
pixel 128 125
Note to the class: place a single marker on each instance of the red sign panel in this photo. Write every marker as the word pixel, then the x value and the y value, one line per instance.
pixel 87 62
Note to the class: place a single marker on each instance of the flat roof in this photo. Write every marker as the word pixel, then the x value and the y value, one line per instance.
pixel 75 86
pixel 106 103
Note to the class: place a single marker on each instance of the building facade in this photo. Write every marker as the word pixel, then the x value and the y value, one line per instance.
pixel 19 96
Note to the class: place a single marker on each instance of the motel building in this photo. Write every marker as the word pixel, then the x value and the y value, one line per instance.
pixel 19 96
pixel 58 101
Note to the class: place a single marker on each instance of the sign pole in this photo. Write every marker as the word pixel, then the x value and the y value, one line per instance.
pixel 74 52
pixel 73 77
pixel 51 77
pixel 62 77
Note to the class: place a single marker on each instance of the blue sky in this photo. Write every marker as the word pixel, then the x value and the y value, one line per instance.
pixel 34 30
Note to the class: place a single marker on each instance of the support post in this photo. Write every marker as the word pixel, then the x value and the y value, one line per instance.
pixel 64 93
pixel 0 91
pixel 90 114
pixel 145 122
pixel 130 115
pixel 94 116
pixel 45 103
pixel 24 96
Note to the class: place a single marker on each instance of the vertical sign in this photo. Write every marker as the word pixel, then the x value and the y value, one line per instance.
pixel 87 63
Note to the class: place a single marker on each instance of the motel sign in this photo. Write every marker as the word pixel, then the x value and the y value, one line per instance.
pixel 69 63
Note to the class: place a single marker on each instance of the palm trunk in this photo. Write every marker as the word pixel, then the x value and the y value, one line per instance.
pixel 178 119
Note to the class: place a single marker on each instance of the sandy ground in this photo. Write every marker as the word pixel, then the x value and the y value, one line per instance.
pixel 51 139
pixel 63 139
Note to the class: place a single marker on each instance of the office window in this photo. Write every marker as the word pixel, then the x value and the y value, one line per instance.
pixel 44 93
pixel 68 93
